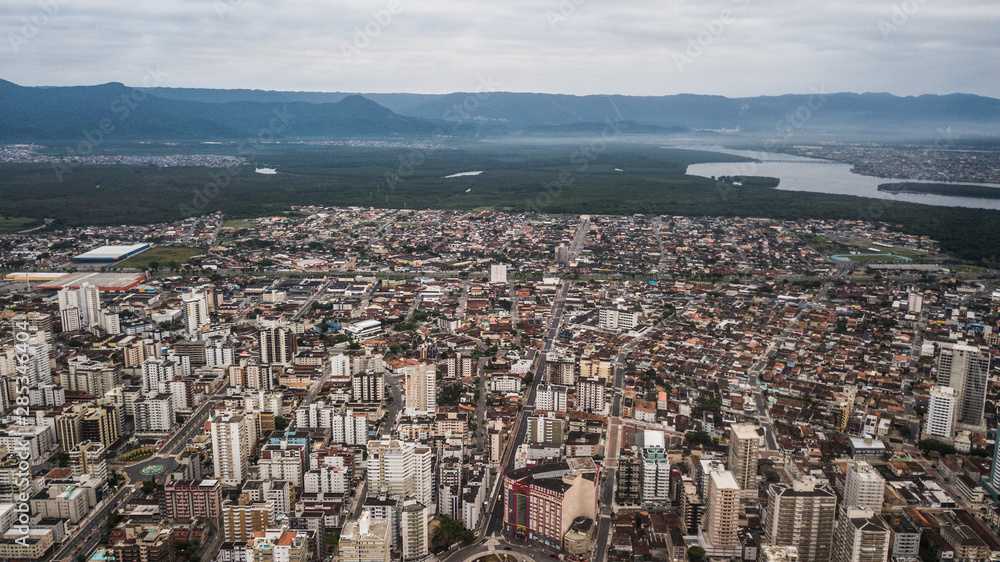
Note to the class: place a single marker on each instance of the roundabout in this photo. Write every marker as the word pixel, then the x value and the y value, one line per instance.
pixel 152 469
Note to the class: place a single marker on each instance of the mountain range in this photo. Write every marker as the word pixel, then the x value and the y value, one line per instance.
pixel 33 114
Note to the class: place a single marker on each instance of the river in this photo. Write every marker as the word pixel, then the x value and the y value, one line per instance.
pixel 821 176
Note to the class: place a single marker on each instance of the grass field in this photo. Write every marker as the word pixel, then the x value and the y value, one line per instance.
pixel 237 223
pixel 9 225
pixel 161 255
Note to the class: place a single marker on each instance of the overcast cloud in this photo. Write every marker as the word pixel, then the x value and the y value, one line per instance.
pixel 638 47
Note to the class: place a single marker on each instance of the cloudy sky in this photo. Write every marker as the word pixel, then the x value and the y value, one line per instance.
pixel 638 47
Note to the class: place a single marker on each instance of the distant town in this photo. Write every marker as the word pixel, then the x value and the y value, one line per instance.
pixel 364 384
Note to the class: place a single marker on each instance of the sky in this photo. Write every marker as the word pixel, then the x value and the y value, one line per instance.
pixel 635 47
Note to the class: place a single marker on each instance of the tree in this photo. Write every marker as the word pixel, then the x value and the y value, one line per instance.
pixel 698 438
pixel 933 445
pixel 280 423
pixel 449 532
pixel 696 554
pixel 148 486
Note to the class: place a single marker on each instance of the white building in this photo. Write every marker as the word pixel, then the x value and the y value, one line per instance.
pixel 864 487
pixel 421 390
pixel 655 475
pixel 231 444
pixel 79 308
pixel 591 395
pixel 154 413
pixel 400 469
pixel 965 368
pixel 618 319
pixel 219 356
pixel 941 410
pixel 277 345
pixel 861 536
pixel 196 317
pixel 365 540
pixel 89 458
pixel 413 530
pixel 156 371
pixel 498 273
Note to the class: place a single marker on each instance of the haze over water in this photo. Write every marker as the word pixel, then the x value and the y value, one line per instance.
pixel 834 178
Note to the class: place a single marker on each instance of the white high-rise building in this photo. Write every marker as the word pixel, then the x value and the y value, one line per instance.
pixel 196 316
pixel 965 368
pixel 941 411
pixel 340 366
pixel 590 395
pixel 157 371
pixel 368 386
pixel 421 390
pixel 655 475
pixel 349 428
pixel 498 273
pixel 551 397
pixel 231 445
pixel 915 303
pixel 744 454
pixel 864 487
pixel 413 521
pixel 400 469
pixel 79 308
pixel 277 345
pixel 219 356
pixel 154 413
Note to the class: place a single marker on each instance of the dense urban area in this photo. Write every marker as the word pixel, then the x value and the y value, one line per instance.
pixel 363 384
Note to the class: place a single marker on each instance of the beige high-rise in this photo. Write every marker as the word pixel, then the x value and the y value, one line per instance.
pixel 744 454
pixel 723 514
pixel 802 515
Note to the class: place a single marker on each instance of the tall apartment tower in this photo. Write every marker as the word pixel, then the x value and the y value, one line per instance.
pixel 400 469
pixel 421 390
pixel 498 273
pixel 562 253
pixel 195 312
pixel 941 412
pixel 591 395
pixel 864 487
pixel 79 308
pixel 655 476
pixel 965 368
pixel 723 513
pixel 802 515
pixel 862 536
pixel 744 454
pixel 231 444
pixel 277 345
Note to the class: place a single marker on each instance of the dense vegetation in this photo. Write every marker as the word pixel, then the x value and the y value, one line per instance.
pixel 572 177
pixel 950 189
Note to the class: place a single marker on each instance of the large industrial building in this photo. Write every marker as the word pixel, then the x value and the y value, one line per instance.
pixel 110 254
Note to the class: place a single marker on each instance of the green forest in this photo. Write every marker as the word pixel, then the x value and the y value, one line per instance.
pixel 567 177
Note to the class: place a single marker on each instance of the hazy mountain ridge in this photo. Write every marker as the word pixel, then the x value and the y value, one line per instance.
pixel 47 113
